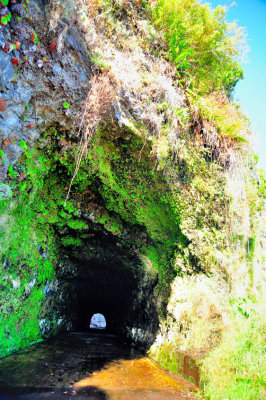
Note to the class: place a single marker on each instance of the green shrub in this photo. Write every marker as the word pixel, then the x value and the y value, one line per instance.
pixel 201 44
pixel 236 369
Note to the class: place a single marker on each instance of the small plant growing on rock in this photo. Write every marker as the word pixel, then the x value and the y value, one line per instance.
pixel 34 37
pixel 53 45
pixel 4 20
pixel 11 172
pixel 23 145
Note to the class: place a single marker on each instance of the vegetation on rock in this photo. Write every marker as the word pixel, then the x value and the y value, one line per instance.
pixel 202 45
pixel 162 162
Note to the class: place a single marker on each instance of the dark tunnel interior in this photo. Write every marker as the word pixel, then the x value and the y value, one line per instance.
pixel 103 288
pixel 111 280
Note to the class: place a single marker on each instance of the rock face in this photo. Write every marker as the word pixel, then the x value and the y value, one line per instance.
pixel 35 90
pixel 148 215
pixel 43 88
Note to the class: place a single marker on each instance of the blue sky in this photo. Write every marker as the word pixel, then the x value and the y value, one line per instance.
pixel 251 92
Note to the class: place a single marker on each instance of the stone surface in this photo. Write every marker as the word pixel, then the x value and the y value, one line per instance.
pixel 64 77
pixel 5 191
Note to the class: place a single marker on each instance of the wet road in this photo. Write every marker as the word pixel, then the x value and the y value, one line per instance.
pixel 91 366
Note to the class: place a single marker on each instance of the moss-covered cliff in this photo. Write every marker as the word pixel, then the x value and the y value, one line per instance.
pixel 128 183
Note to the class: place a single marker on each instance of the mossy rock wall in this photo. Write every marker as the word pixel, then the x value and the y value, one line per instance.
pixel 152 212
pixel 49 246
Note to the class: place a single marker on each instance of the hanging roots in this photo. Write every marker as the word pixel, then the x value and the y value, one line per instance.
pixel 98 102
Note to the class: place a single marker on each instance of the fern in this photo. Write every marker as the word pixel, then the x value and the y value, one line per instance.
pixel 201 44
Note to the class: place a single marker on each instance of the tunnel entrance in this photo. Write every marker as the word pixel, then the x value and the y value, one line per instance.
pixel 108 278
pixel 98 322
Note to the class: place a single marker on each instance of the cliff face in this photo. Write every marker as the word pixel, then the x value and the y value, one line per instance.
pixel 153 234
pixel 36 90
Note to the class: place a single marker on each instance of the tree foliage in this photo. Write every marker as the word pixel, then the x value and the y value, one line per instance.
pixel 202 45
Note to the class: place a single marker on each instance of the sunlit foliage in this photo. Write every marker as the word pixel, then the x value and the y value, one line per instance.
pixel 202 45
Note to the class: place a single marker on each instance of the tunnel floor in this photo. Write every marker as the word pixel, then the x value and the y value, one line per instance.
pixel 84 365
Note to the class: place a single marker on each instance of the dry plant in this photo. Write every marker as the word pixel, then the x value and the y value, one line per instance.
pixel 55 15
pixel 3 104
pixel 152 119
pixel 223 149
pixel 92 6
pixel 220 126
pixel 97 103
pixel 147 84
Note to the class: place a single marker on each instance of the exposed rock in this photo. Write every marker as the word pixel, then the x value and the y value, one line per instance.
pixel 5 191
pixel 36 96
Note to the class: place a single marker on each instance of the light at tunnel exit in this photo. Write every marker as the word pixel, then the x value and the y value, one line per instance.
pixel 98 322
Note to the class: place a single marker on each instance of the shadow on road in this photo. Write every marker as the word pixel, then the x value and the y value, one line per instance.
pixel 88 393
pixel 91 366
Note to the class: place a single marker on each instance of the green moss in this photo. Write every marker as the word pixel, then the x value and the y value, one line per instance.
pixel 250 248
pixel 111 223
pixel 21 263
pixel 71 241
pixel 132 190
pixel 11 172
pixel 167 359
pixel 23 145
pixel 77 224
pixel 129 188
pixel 176 362
pixel 26 236
pixel 132 194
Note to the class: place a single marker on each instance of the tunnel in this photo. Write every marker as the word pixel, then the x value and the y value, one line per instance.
pixel 107 277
